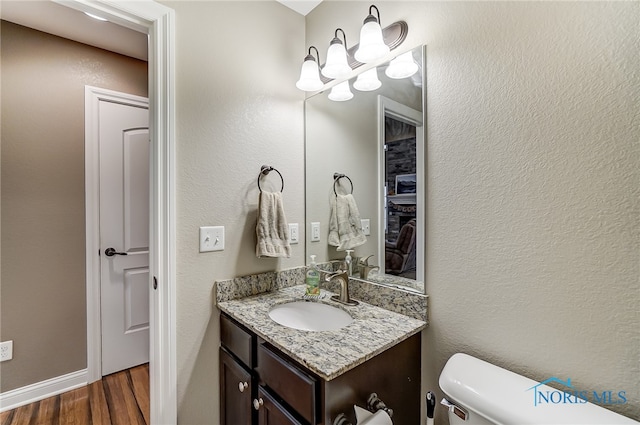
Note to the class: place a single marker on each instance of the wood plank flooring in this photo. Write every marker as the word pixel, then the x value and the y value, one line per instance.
pixel 118 399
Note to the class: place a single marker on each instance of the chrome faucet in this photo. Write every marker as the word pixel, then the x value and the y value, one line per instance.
pixel 365 268
pixel 343 277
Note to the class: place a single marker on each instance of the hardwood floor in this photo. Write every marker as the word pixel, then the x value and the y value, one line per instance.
pixel 118 399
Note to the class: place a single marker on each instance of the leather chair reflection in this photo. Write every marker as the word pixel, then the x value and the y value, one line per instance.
pixel 400 257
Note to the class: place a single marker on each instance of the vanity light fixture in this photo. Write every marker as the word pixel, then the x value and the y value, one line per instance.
pixel 402 66
pixel 368 80
pixel 337 65
pixel 310 73
pixel 372 46
pixel 341 92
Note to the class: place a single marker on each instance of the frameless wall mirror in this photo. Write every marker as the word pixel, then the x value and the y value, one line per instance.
pixel 376 139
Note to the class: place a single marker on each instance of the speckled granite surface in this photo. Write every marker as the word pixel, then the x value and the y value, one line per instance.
pixel 396 281
pixel 245 286
pixel 395 299
pixel 327 353
pixel 398 299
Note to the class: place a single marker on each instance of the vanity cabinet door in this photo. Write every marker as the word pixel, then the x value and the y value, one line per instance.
pixel 270 412
pixel 293 385
pixel 235 397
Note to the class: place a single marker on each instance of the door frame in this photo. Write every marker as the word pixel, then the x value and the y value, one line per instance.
pixel 158 22
pixel 400 112
pixel 92 98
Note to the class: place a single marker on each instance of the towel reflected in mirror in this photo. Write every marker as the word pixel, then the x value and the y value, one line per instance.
pixel 345 228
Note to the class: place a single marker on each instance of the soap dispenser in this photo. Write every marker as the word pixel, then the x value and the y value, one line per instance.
pixel 348 261
pixel 312 278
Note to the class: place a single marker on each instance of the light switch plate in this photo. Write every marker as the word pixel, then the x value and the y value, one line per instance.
pixel 366 226
pixel 211 238
pixel 315 231
pixel 294 234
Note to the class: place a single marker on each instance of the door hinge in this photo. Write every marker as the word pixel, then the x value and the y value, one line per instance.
pixel 155 282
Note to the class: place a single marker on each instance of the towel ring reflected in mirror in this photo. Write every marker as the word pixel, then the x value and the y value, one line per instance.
pixel 338 176
pixel 265 170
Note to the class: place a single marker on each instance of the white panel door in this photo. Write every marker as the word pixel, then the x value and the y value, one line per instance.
pixel 124 235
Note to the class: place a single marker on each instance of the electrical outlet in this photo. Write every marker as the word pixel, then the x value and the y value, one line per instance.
pixel 366 226
pixel 6 351
pixel 315 231
pixel 294 235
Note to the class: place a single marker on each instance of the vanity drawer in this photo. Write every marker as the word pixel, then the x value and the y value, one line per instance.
pixel 237 340
pixel 292 385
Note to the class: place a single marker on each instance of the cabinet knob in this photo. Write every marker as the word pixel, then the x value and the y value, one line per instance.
pixel 242 386
pixel 257 402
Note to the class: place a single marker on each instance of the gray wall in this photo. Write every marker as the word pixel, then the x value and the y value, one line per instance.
pixel 532 203
pixel 43 236
pixel 237 109
pixel 533 184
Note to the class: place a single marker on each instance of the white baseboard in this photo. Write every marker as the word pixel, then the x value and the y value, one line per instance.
pixel 41 390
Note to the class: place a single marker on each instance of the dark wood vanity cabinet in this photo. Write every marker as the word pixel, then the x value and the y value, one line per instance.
pixel 270 412
pixel 236 387
pixel 260 385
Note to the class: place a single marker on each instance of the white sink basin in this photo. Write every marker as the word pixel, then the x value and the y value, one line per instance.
pixel 310 316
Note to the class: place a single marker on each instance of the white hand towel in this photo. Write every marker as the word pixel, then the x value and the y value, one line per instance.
pixel 272 228
pixel 345 228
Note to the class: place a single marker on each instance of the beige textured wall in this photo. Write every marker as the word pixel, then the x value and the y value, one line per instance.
pixel 43 307
pixel 533 184
pixel 237 109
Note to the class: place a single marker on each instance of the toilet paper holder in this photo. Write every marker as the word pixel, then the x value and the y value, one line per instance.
pixel 374 403
pixel 341 419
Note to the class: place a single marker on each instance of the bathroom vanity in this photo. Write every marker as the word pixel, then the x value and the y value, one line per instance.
pixel 274 374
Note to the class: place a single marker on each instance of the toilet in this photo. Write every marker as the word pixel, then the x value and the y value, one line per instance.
pixel 481 393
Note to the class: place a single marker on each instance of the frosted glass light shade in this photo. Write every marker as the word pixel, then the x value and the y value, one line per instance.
pixel 341 92
pixel 368 81
pixel 337 65
pixel 372 45
pixel 402 66
pixel 309 76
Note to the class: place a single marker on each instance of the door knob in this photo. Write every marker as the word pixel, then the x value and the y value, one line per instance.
pixel 110 252
pixel 242 386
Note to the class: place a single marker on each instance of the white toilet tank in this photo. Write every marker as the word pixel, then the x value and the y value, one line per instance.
pixel 481 393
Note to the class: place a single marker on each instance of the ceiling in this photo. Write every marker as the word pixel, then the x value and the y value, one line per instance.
pixel 301 6
pixel 53 18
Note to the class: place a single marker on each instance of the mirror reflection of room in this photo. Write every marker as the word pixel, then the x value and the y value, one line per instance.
pixel 349 137
pixel 400 198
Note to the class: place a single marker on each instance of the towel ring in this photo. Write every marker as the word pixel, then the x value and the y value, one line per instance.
pixel 338 176
pixel 266 169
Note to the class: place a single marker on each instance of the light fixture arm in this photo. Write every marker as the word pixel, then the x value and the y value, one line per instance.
pixel 337 40
pixel 371 17
pixel 317 58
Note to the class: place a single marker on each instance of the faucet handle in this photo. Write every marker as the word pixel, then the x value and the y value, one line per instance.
pixel 337 273
pixel 365 261
pixel 365 267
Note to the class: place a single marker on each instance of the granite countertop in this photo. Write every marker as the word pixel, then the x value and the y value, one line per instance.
pixel 326 353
